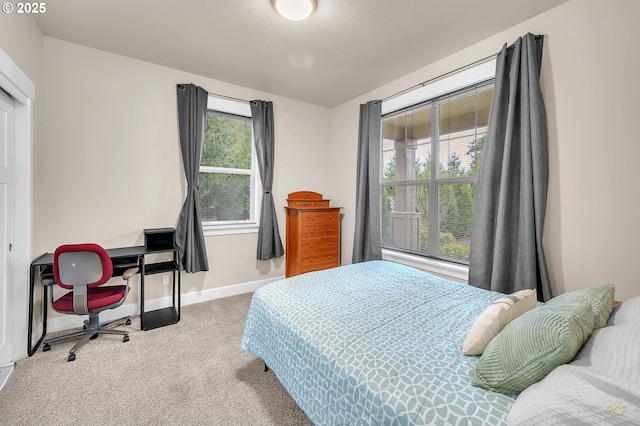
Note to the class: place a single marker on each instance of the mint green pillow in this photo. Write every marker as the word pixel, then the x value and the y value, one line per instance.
pixel 532 345
pixel 600 297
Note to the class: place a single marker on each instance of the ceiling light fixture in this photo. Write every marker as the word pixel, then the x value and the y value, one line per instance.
pixel 295 10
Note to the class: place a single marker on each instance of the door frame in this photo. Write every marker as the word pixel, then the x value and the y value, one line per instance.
pixel 15 82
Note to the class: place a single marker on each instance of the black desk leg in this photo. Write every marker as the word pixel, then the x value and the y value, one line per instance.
pixel 142 274
pixel 32 349
pixel 176 259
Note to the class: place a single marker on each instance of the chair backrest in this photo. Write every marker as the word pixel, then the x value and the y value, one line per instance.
pixel 81 264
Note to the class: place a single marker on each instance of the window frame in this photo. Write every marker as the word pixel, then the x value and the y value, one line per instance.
pixel 449 84
pixel 232 227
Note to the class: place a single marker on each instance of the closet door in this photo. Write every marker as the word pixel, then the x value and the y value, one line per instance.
pixel 6 225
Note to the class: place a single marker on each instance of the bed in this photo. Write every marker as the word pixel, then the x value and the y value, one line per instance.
pixel 379 343
pixel 374 343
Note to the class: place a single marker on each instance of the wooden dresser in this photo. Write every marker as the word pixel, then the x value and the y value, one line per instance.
pixel 313 233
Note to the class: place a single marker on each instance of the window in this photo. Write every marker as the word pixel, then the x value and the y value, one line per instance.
pixel 227 174
pixel 431 155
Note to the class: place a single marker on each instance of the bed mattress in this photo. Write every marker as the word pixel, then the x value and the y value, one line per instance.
pixel 375 343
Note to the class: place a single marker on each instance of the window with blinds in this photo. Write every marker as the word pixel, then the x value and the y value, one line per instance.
pixel 431 155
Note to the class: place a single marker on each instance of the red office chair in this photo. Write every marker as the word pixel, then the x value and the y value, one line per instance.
pixel 84 268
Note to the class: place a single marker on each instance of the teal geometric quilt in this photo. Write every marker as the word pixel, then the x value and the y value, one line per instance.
pixel 374 343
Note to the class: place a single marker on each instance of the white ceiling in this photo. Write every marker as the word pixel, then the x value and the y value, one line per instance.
pixel 344 49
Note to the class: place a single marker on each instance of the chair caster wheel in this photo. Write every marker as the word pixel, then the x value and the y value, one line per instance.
pixel 72 357
pixel 128 322
pixel 95 336
pixel 125 339
pixel 46 347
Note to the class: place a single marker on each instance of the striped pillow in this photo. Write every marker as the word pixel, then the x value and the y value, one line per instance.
pixel 599 296
pixel 532 345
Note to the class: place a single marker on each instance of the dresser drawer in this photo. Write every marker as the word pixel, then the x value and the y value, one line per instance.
pixel 318 267
pixel 308 203
pixel 329 258
pixel 323 230
pixel 317 245
pixel 319 217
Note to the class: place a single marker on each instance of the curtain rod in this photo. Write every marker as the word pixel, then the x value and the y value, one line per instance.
pixel 220 96
pixel 402 92
pixel 431 80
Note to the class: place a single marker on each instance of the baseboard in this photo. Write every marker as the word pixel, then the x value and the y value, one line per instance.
pixel 68 322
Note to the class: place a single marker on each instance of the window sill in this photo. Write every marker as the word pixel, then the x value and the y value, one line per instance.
pixel 231 229
pixel 438 267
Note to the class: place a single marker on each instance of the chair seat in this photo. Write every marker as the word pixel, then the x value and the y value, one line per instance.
pixel 98 298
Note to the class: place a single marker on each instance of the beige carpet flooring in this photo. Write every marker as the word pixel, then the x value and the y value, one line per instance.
pixel 190 373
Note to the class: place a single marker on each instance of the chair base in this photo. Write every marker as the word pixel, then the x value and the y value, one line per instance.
pixel 92 328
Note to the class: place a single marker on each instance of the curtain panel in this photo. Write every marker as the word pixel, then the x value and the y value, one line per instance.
pixel 367 238
pixel 511 195
pixel 192 113
pixel 269 242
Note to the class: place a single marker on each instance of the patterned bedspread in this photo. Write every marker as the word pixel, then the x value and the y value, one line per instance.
pixel 375 343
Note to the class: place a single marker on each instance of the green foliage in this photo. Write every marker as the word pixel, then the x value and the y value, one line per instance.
pixel 456 208
pixel 388 193
pixel 447 238
pixel 227 142
pixel 449 246
pixel 224 197
pixel 424 235
pixel 455 251
pixel 476 149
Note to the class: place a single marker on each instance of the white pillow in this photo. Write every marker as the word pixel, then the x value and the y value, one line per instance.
pixel 625 312
pixel 600 386
pixel 527 300
pixel 495 317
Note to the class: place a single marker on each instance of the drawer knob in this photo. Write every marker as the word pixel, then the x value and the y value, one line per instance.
pixel 329 230
pixel 311 231
pixel 311 245
pixel 330 216
pixel 330 244
pixel 310 217
pixel 311 259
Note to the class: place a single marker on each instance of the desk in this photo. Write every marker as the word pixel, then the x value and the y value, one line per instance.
pixel 122 258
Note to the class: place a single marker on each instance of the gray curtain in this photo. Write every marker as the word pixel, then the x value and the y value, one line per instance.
pixel 366 241
pixel 511 196
pixel 269 242
pixel 192 113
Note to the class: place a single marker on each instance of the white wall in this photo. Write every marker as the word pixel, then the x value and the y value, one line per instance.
pixel 590 86
pixel 113 165
pixel 21 39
